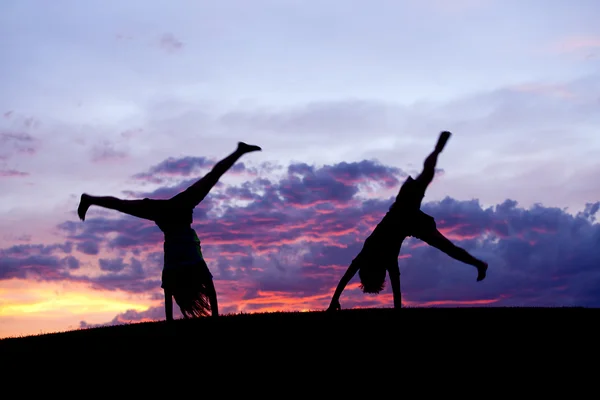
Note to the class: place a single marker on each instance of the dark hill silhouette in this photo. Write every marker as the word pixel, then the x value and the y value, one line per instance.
pixel 320 333
pixel 369 352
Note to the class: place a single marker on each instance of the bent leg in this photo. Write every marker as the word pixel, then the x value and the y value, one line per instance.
pixel 146 208
pixel 440 242
pixel 194 194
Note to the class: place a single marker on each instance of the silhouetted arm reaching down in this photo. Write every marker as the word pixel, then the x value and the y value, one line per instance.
pixel 394 273
pixel 193 195
pixel 335 300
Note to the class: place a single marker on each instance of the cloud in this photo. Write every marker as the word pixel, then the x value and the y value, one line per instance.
pixel 494 140
pixel 88 247
pixel 113 265
pixel 129 277
pixel 578 43
pixel 170 43
pixel 71 262
pixel 9 173
pixel 17 142
pixel 315 118
pixel 283 242
pixel 132 133
pixel 562 91
pixel 107 152
pixel 17 238
pixel 131 316
pixel 279 234
pixel 57 263
pixel 172 166
pixel 36 261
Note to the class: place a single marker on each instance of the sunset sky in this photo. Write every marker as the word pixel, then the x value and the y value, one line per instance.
pixel 139 98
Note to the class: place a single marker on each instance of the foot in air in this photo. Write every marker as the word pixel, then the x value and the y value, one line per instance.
pixel 481 271
pixel 248 148
pixel 444 136
pixel 84 204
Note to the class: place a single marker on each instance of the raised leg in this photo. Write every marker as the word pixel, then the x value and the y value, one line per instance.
pixel 145 208
pixel 426 176
pixel 194 194
pixel 440 242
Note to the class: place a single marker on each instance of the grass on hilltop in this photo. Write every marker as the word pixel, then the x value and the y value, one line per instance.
pixel 278 328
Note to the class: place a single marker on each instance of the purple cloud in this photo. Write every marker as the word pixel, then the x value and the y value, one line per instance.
pixel 17 142
pixel 174 167
pixel 9 173
pixel 130 316
pixel 106 152
pixel 170 43
pixel 112 265
pixel 289 245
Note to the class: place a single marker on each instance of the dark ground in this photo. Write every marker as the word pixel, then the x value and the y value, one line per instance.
pixel 373 349
pixel 250 333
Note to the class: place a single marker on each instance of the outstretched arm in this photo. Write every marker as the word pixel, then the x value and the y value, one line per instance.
pixel 426 176
pixel 335 300
pixel 194 194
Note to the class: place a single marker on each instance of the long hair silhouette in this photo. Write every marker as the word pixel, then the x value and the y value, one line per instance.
pixel 185 276
pixel 372 279
pixel 404 218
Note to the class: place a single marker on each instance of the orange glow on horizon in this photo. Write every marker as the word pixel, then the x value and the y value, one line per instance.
pixel 32 306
